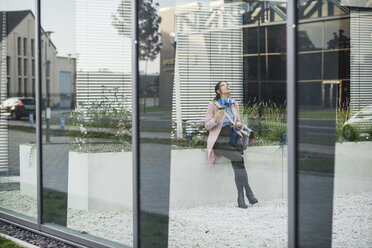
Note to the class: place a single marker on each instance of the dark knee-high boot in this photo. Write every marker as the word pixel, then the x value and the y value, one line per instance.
pixel 239 187
pixel 241 202
pixel 251 198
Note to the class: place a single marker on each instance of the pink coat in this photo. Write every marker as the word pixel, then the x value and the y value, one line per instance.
pixel 214 127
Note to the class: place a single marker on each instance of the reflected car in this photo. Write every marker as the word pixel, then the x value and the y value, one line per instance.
pixel 360 123
pixel 17 107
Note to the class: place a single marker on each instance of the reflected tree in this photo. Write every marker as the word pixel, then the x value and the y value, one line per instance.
pixel 149 44
pixel 304 41
pixel 339 41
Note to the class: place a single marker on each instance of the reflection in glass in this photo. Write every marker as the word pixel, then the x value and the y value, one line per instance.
pixel 334 179
pixel 310 65
pixel 86 92
pixel 17 126
pixel 353 177
pixel 309 37
pixel 190 202
pixel 337 34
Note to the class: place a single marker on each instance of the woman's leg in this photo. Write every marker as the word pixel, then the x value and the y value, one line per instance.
pixel 221 151
pixel 241 178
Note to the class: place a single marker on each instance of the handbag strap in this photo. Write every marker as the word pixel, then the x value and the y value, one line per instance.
pixel 230 119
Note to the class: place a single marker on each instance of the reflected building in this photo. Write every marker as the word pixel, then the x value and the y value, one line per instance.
pixel 207 37
pixel 18 39
pixel 18 69
pixel 329 31
pixel 248 48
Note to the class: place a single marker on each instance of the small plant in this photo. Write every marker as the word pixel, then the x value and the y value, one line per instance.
pixel 102 126
pixel 194 135
pixel 271 125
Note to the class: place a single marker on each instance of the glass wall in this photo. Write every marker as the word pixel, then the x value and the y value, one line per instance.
pixel 334 95
pixel 86 102
pixel 18 185
pixel 193 192
pixel 201 171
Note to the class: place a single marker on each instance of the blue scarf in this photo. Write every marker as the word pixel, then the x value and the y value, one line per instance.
pixel 225 102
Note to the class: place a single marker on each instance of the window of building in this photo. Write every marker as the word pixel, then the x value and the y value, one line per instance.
pixel 19 66
pixel 33 87
pixel 25 67
pixel 19 46
pixel 310 37
pixel 24 46
pixel 8 65
pixel 25 87
pixel 8 87
pixel 32 47
pixel 33 68
pixel 19 86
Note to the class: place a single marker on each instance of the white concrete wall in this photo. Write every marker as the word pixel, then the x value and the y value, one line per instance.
pixel 103 181
pixel 353 169
pixel 194 182
pixel 100 181
pixel 27 170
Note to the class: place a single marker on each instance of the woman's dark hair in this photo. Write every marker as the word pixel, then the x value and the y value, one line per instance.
pixel 217 87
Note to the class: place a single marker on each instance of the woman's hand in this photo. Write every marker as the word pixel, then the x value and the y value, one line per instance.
pixel 219 115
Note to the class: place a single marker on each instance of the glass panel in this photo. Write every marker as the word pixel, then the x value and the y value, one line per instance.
pixel 310 66
pixel 337 34
pixel 191 200
pixel 335 177
pixel 17 126
pixel 86 90
pixel 353 160
pixel 251 40
pixel 276 39
pixel 309 37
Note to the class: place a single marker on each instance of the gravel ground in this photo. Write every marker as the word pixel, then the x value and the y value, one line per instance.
pixel 114 226
pixel 224 225
pixel 30 237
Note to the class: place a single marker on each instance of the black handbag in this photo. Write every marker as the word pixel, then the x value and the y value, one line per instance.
pixel 246 133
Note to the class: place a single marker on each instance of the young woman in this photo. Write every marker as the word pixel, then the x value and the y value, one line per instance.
pixel 220 128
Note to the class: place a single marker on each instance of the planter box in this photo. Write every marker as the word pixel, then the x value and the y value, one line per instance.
pixel 103 181
pixel 100 181
pixel 194 182
pixel 353 170
pixel 27 170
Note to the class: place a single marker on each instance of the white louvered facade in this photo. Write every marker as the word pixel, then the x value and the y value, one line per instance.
pixel 95 86
pixel 209 49
pixel 360 59
pixel 104 55
pixel 4 140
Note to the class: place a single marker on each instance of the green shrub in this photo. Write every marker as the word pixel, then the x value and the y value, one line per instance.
pixel 273 130
pixel 272 123
pixel 350 133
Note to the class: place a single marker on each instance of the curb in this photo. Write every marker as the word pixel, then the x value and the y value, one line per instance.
pixel 19 242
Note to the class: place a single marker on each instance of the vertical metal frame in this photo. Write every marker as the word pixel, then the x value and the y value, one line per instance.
pixel 39 150
pixel 135 127
pixel 292 123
